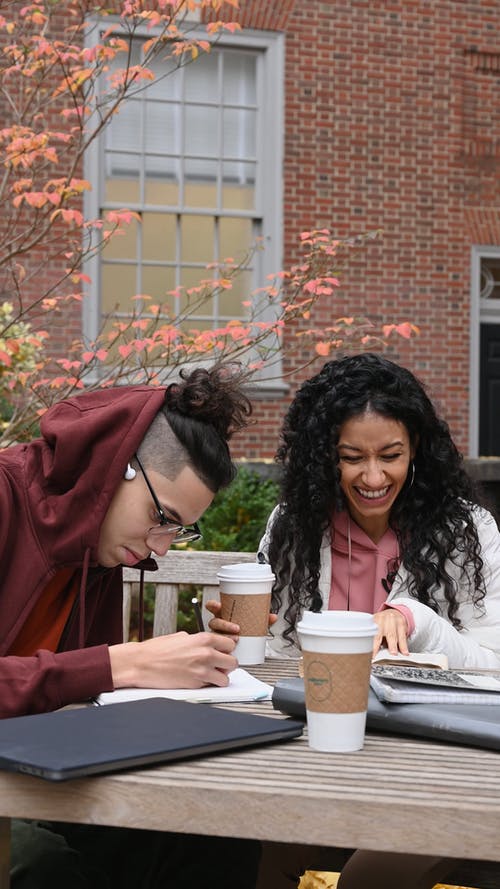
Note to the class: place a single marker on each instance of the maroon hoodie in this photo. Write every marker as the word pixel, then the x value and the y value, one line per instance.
pixel 54 495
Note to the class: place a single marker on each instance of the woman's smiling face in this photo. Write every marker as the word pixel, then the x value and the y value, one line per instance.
pixel 374 457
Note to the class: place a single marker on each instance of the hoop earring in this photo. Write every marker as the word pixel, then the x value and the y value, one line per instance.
pixel 129 473
pixel 412 474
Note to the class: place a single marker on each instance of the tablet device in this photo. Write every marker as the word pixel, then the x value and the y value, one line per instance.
pixel 90 740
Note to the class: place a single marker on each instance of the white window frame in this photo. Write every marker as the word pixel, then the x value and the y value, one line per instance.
pixel 482 311
pixel 269 197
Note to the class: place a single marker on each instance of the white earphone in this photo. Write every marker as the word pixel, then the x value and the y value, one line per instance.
pixel 130 473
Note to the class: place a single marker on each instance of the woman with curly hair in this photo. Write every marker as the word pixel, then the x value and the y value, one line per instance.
pixel 378 514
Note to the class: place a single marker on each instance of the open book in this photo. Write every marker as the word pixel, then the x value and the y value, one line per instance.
pixel 413 659
pixel 401 684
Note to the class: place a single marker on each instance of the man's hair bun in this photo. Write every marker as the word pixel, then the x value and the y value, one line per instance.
pixel 211 395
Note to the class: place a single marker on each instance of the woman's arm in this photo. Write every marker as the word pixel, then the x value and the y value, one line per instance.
pixel 435 633
pixel 477 644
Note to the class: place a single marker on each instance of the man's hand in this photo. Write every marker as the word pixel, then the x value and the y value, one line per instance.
pixel 392 628
pixel 179 660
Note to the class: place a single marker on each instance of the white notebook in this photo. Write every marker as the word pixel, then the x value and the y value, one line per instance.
pixel 414 685
pixel 242 687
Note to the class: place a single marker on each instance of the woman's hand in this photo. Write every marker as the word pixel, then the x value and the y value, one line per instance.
pixel 224 626
pixel 392 629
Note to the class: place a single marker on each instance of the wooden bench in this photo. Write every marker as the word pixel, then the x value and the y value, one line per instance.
pixel 178 568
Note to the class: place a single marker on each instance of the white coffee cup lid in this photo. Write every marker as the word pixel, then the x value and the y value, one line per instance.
pixel 338 623
pixel 246 571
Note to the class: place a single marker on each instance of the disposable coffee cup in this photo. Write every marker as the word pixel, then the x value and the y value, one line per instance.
pixel 337 650
pixel 245 596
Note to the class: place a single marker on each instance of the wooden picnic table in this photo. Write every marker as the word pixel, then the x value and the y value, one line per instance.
pixel 397 794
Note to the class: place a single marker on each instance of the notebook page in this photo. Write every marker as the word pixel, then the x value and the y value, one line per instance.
pixel 242 687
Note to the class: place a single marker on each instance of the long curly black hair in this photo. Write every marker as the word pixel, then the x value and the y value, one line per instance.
pixel 432 517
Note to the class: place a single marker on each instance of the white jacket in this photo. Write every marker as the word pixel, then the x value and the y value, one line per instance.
pixel 477 645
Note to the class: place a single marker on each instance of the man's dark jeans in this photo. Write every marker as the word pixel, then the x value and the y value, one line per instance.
pixel 58 856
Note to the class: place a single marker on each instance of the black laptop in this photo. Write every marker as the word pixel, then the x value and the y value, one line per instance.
pixel 90 740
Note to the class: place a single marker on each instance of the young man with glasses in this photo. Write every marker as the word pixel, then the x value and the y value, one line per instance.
pixel 117 476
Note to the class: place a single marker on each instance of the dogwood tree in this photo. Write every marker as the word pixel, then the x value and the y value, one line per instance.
pixel 57 95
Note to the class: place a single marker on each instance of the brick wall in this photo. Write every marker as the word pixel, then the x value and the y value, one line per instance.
pixel 44 266
pixel 393 122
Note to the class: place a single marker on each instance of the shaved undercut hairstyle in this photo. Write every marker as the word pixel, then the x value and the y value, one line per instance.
pixel 200 414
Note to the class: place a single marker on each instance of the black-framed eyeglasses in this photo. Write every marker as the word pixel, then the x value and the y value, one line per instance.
pixel 165 527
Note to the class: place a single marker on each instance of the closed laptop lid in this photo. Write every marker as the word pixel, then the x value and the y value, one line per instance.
pixel 477 725
pixel 90 740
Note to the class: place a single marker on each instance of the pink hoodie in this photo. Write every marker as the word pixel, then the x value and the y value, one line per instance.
pixel 359 578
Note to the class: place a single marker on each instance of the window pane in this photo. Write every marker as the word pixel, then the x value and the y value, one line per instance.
pixel 123 190
pixel 161 193
pixel 201 190
pixel 230 300
pixel 118 286
pixel 156 280
pixel 124 140
pixel 238 190
pixel 235 238
pixel 490 277
pixel 202 137
pixel 201 79
pixel 200 170
pixel 198 324
pixel 197 234
pixel 240 127
pixel 190 278
pixel 122 163
pixel 158 236
pixel 167 81
pixel 239 78
pixel 123 245
pixel 162 129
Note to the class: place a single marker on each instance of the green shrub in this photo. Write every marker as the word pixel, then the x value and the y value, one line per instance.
pixel 6 409
pixel 236 520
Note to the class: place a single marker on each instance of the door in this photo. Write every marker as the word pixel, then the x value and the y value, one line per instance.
pixel 489 389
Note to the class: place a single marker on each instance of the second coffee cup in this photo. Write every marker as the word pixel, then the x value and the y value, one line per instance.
pixel 337 649
pixel 245 596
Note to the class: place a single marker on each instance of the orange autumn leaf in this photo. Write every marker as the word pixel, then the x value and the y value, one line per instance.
pixel 215 27
pixel 405 329
pixel 322 349
pixel 125 350
pixel 100 354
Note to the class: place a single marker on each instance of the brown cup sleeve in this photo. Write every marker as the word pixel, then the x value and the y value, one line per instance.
pixel 336 683
pixel 251 612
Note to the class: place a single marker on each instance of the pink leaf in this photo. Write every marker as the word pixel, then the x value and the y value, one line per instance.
pixel 322 349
